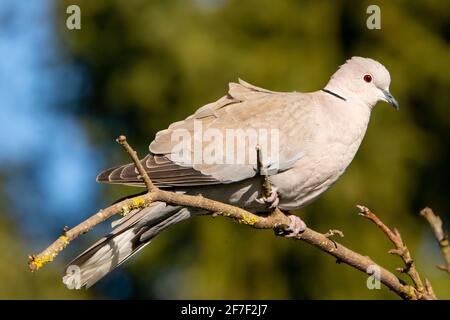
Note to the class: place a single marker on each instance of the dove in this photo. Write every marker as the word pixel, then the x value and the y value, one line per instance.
pixel 307 141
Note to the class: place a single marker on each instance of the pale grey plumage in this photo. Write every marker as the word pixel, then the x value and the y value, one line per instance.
pixel 319 134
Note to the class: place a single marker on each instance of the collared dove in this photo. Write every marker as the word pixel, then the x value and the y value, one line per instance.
pixel 317 135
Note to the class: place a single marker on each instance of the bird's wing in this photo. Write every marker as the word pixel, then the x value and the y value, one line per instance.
pixel 245 117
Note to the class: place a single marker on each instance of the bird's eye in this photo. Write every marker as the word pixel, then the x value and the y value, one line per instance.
pixel 367 78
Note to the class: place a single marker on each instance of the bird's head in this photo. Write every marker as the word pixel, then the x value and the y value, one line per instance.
pixel 363 79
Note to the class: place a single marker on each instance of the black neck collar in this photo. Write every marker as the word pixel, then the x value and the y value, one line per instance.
pixel 334 94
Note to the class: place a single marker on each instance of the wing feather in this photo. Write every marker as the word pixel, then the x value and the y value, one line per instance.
pixel 244 107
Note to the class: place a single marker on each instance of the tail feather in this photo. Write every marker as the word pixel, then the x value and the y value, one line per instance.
pixel 130 236
pixel 94 264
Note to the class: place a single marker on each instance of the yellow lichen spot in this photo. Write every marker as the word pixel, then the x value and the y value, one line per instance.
pixel 125 210
pixel 36 262
pixel 248 219
pixel 138 202
pixel 39 262
pixel 410 292
pixel 64 239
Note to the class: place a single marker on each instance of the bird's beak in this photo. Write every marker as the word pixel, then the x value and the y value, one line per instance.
pixel 389 98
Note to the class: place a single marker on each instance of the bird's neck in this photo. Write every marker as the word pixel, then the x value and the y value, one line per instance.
pixel 342 90
pixel 334 87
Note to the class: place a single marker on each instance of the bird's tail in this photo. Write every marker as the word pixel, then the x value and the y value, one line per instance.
pixel 131 233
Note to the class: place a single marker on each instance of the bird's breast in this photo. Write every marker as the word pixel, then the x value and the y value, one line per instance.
pixel 325 159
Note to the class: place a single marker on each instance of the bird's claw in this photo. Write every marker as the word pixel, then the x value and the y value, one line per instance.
pixel 271 201
pixel 295 227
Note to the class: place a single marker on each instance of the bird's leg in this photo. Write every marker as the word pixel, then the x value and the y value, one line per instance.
pixel 270 194
pixel 295 227
pixel 272 200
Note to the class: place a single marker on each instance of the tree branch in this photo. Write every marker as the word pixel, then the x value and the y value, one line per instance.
pixel 402 251
pixel 274 221
pixel 441 236
pixel 122 140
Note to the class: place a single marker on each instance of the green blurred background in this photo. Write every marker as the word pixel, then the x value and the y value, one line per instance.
pixel 136 66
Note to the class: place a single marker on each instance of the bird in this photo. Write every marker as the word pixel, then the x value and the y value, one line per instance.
pixel 309 141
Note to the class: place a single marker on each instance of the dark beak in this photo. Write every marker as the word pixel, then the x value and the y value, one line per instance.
pixel 390 99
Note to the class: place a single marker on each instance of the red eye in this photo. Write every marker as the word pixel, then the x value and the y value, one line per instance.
pixel 367 78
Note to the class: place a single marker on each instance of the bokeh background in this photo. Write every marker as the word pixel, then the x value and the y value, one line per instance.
pixel 135 66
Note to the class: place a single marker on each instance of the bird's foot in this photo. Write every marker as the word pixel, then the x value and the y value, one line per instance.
pixel 295 227
pixel 272 200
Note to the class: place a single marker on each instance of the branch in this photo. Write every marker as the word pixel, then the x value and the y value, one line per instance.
pixel 275 220
pixel 402 251
pixel 441 236
pixel 122 140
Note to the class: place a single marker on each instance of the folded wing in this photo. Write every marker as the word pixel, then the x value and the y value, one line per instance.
pixel 235 123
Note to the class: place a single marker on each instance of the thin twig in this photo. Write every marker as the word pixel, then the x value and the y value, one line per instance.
pixel 122 207
pixel 440 235
pixel 401 250
pixel 122 140
pixel 429 289
pixel 266 187
pixel 215 208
